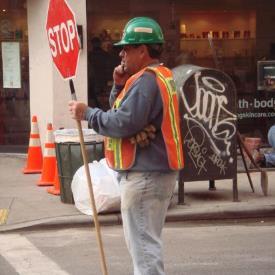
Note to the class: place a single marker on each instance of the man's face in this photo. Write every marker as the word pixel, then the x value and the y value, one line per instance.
pixel 132 58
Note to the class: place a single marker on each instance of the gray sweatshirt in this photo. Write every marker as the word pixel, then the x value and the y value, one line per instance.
pixel 141 106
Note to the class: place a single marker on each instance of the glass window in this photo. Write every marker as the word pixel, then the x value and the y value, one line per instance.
pixel 14 77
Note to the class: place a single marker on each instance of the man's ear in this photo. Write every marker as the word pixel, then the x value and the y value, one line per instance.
pixel 143 50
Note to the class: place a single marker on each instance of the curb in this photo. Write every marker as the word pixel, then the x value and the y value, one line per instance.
pixel 14 155
pixel 174 215
pixel 223 214
pixel 62 221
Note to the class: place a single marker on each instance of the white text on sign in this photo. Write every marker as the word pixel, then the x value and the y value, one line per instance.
pixel 63 34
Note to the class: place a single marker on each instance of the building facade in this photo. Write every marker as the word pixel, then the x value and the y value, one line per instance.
pixel 236 37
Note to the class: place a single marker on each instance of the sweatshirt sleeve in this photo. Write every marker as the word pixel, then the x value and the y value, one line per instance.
pixel 134 113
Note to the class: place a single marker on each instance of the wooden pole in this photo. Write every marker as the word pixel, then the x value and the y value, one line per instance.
pixel 90 186
pixel 245 164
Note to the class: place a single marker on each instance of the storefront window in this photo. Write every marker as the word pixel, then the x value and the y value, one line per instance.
pixel 231 36
pixel 14 77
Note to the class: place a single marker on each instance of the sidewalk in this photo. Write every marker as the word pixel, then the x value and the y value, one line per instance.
pixel 25 205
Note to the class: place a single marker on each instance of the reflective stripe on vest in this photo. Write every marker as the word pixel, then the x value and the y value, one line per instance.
pixel 120 153
pixel 170 123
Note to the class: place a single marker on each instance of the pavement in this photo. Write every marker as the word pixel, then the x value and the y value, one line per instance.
pixel 26 206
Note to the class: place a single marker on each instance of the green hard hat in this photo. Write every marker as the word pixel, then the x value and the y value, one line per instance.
pixel 141 30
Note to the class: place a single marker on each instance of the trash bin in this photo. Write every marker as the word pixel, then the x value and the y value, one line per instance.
pixel 69 156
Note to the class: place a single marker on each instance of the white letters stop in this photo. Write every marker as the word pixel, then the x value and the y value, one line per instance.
pixel 61 37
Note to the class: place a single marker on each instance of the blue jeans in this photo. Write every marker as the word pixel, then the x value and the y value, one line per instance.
pixel 270 157
pixel 145 198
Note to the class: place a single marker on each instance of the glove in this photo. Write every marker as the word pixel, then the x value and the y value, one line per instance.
pixel 143 137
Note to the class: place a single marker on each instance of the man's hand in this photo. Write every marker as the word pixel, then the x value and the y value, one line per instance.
pixel 77 109
pixel 120 76
pixel 143 137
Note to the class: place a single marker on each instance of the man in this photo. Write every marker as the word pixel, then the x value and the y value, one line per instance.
pixel 99 72
pixel 144 105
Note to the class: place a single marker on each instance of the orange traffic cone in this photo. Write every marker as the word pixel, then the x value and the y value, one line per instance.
pixel 49 160
pixel 55 190
pixel 35 158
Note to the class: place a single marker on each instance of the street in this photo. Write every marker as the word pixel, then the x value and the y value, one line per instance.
pixel 217 248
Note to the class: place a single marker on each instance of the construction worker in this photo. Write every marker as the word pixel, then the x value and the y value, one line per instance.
pixel 143 141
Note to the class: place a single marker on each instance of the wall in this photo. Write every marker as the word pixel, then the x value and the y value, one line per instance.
pixel 49 93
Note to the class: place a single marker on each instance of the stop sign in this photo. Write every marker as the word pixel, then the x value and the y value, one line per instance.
pixel 63 37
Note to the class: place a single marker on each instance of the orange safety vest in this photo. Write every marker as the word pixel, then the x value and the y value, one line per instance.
pixel 120 152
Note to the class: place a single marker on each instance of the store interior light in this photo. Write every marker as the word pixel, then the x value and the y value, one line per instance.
pixel 3 10
pixel 183 29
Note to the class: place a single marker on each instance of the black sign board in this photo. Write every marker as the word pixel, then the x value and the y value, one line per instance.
pixel 208 120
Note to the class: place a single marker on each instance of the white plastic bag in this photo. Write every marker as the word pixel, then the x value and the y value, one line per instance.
pixel 105 187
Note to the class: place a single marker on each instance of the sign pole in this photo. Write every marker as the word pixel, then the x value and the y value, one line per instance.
pixel 90 186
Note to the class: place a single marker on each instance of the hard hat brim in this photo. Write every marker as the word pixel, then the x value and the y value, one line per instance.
pixel 123 43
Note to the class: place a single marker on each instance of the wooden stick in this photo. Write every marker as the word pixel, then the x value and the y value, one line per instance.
pixel 245 166
pixel 90 186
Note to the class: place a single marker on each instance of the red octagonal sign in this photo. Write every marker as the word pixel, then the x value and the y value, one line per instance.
pixel 63 37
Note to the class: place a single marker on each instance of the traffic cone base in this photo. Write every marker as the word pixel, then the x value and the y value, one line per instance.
pixel 55 190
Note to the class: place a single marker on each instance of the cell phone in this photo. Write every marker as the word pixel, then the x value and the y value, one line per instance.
pixel 123 68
